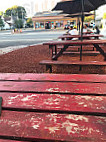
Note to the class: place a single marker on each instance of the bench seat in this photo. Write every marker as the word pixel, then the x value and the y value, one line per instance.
pixel 49 63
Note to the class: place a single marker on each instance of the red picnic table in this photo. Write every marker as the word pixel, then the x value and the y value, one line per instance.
pixel 53 45
pixel 88 32
pixel 52 107
pixel 95 36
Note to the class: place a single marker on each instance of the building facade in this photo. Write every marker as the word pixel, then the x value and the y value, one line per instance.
pixel 51 20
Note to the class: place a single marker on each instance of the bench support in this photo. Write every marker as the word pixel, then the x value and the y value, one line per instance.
pixel 60 52
pixel 49 67
pixel 0 105
pixel 100 50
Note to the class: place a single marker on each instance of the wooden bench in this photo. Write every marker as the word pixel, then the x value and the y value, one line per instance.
pixel 53 107
pixel 49 63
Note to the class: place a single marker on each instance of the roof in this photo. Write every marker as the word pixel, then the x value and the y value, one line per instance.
pixel 47 13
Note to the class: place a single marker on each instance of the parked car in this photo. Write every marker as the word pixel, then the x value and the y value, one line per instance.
pixel 66 27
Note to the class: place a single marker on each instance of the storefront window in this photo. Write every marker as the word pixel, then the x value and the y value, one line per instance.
pixel 61 23
pixel 42 25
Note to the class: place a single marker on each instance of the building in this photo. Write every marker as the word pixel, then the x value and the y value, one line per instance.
pixel 51 20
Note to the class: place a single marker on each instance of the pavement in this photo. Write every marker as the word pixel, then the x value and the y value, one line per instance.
pixel 10 42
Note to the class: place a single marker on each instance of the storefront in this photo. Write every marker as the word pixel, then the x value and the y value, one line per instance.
pixel 51 20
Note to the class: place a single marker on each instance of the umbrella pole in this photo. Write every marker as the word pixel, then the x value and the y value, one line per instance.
pixel 82 19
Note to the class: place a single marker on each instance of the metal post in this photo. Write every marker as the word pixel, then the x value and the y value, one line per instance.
pixel 0 105
pixel 82 19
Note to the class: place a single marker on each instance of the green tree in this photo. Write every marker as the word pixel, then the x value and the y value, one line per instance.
pixel 1 13
pixel 16 11
pixel 1 23
pixel 89 18
pixel 29 22
pixel 104 16
pixel 18 23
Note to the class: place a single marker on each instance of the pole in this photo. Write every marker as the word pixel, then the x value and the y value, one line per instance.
pixel 82 19
pixel 94 15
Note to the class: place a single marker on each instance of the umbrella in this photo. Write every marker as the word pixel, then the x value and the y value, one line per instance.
pixel 79 15
pixel 76 6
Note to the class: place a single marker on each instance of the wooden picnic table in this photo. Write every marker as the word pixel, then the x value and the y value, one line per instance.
pixel 52 107
pixel 65 37
pixel 88 32
pixel 53 45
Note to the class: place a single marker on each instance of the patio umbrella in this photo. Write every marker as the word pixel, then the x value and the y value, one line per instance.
pixel 76 6
pixel 78 15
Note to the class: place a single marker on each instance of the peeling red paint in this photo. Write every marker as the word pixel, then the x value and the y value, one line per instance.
pixel 18 121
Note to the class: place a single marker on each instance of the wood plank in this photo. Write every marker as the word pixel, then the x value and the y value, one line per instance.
pixel 55 103
pixel 83 63
pixel 78 36
pixel 54 87
pixel 90 53
pixel 2 140
pixel 70 42
pixel 53 77
pixel 33 126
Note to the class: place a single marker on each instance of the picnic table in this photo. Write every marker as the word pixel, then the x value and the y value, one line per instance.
pixel 53 45
pixel 88 32
pixel 52 107
pixel 88 36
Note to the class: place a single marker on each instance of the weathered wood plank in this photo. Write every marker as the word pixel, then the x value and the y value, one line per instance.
pixel 33 126
pixel 53 77
pixel 78 36
pixel 55 103
pixel 54 87
pixel 82 63
pixel 70 42
pixel 1 140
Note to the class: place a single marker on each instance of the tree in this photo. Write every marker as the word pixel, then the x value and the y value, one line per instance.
pixel 18 23
pixel 104 16
pixel 89 18
pixel 18 11
pixel 1 13
pixel 1 23
pixel 29 22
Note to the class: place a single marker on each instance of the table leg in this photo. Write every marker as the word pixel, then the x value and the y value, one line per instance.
pixel 0 105
pixel 100 50
pixel 80 57
pixel 60 52
pixel 55 49
pixel 52 51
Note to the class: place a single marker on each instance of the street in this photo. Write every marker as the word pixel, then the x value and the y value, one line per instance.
pixel 27 37
pixel 10 42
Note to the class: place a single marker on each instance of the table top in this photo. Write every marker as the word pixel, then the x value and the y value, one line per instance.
pixel 78 36
pixel 53 107
pixel 75 42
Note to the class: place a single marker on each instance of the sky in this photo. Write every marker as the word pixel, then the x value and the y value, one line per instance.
pixel 25 3
pixel 30 5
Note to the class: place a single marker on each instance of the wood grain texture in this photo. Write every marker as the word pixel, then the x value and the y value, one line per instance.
pixel 33 126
